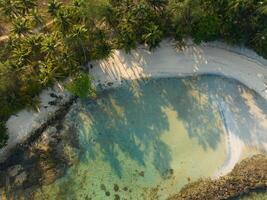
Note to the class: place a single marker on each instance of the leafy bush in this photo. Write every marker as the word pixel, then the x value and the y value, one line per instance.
pixel 81 86
pixel 241 20
pixel 153 36
pixel 207 28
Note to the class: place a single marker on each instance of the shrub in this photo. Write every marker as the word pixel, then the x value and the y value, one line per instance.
pixel 207 28
pixel 153 36
pixel 81 86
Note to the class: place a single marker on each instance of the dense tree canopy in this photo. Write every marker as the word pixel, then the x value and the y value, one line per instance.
pixel 48 43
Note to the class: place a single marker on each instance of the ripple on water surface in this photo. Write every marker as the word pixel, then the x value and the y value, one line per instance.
pixel 146 140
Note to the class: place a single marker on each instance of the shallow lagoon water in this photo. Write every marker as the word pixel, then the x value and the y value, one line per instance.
pixel 148 138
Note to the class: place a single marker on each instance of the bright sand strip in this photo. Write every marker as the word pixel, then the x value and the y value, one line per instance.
pixel 210 58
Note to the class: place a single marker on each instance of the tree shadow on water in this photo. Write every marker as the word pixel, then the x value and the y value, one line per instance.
pixel 246 112
pixel 133 119
pixel 130 120
pixel 189 97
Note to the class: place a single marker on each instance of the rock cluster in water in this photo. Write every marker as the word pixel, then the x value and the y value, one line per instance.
pixel 247 176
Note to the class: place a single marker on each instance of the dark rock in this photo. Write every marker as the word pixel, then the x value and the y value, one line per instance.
pixel 53 95
pixel 53 103
pixel 107 193
pixel 116 188
pixel 142 173
pixel 102 187
pixel 109 84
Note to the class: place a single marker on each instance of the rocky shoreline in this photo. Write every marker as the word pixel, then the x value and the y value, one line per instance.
pixel 248 176
pixel 56 118
pixel 43 158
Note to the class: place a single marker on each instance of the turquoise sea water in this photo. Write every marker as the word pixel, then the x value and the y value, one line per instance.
pixel 147 139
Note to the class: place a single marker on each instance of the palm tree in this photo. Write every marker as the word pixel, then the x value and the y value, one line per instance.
pixel 9 8
pixel 77 39
pixel 33 42
pixel 26 6
pixel 127 37
pixel 101 47
pixel 20 57
pixel 63 20
pixel 50 45
pixel 37 20
pixel 78 32
pixel 47 70
pixel 20 26
pixel 53 7
pixel 58 58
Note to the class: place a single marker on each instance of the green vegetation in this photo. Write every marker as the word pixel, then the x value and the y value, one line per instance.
pixel 50 40
pixel 81 86
pixel 35 55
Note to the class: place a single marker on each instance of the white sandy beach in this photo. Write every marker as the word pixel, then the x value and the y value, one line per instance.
pixel 210 58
